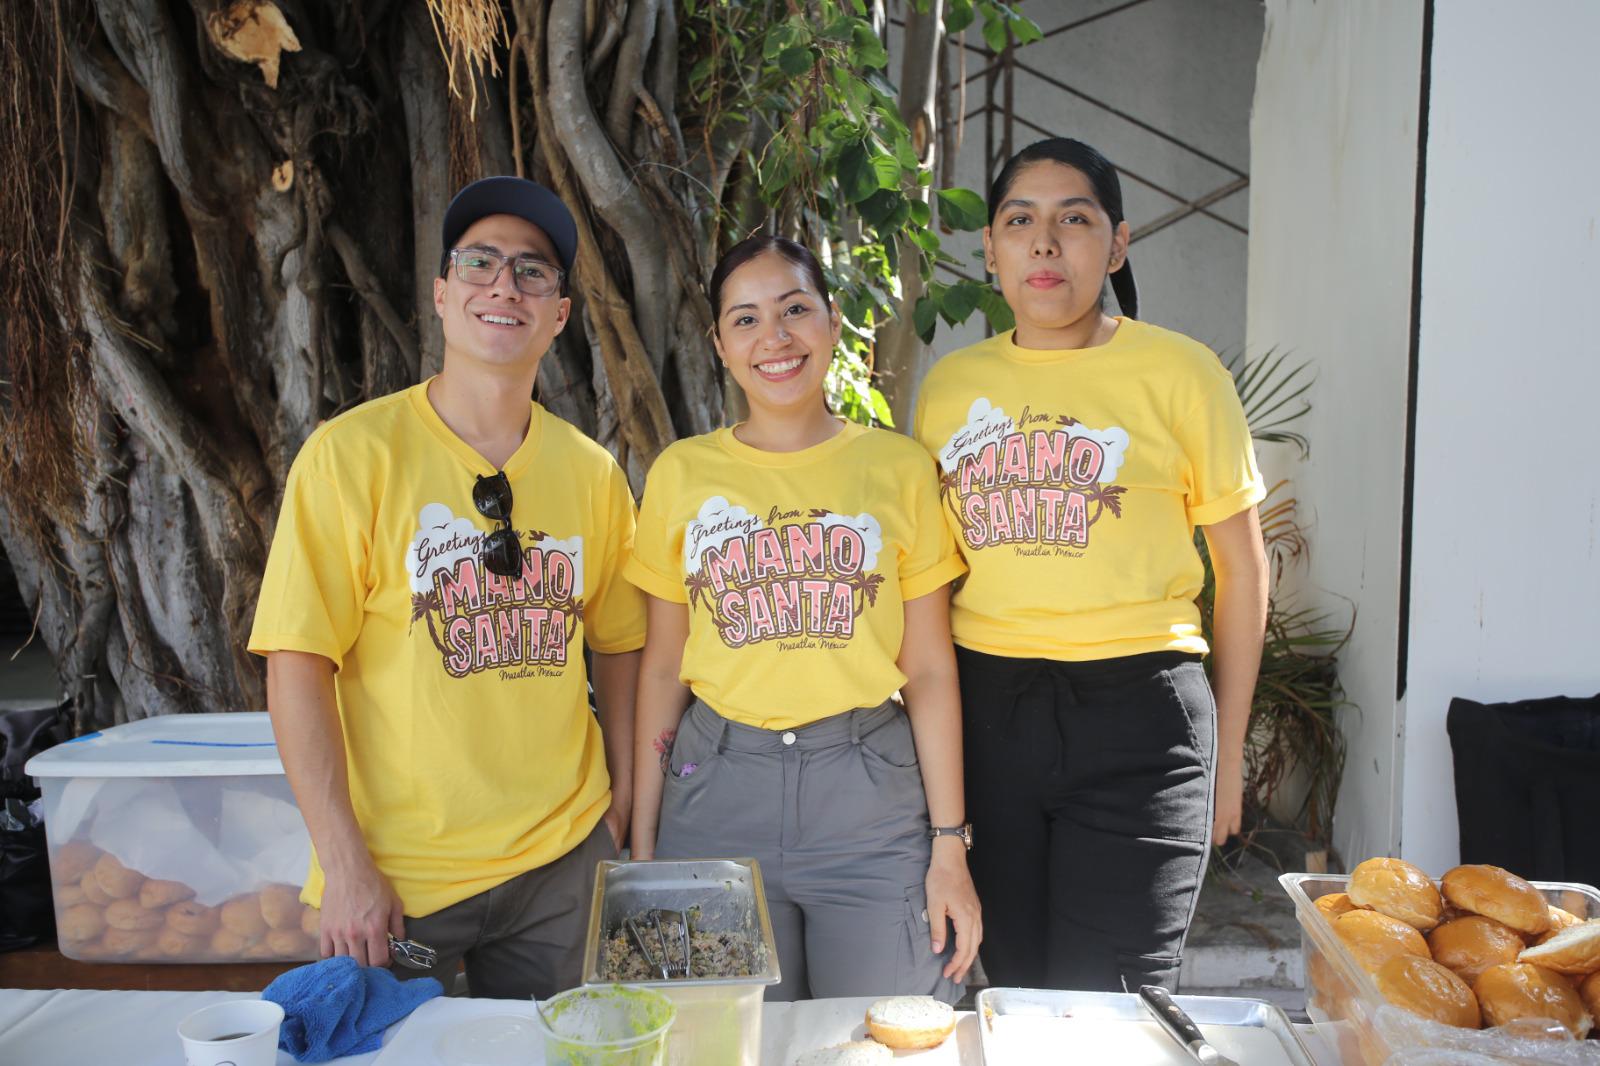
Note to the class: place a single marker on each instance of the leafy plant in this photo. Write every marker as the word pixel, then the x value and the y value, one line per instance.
pixel 1293 728
pixel 800 116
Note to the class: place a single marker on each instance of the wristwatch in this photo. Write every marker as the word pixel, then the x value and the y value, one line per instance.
pixel 962 831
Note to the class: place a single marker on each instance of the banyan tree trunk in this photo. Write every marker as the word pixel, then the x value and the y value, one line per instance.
pixel 220 228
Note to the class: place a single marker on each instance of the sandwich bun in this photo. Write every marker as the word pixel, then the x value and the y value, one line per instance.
pixel 1498 894
pixel 1518 991
pixel 1399 889
pixel 1574 950
pixel 1471 944
pixel 906 1022
pixel 1425 988
pixel 1375 938
pixel 1334 904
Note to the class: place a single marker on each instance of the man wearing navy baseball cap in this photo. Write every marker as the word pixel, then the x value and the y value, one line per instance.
pixel 442 557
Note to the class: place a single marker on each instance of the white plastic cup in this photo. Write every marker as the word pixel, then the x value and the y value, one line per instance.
pixel 240 1032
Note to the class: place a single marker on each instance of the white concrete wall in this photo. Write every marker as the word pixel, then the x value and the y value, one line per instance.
pixel 1333 179
pixel 1183 66
pixel 1506 564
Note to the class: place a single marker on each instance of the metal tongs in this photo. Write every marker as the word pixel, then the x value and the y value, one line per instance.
pixel 412 954
pixel 662 963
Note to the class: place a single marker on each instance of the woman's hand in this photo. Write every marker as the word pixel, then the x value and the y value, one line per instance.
pixel 952 898
pixel 1229 802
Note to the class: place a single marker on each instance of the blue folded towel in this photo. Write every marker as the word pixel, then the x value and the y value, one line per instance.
pixel 335 1007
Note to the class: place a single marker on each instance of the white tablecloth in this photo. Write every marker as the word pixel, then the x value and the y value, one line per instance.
pixel 92 1028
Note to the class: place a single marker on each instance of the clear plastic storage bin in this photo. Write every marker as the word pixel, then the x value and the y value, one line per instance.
pixel 176 839
pixel 1351 1015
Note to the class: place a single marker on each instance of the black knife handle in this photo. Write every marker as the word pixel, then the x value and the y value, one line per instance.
pixel 1171 1015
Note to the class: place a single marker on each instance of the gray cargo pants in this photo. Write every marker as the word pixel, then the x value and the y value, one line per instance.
pixel 835 813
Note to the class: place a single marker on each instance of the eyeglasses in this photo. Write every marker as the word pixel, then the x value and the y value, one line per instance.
pixel 502 549
pixel 532 277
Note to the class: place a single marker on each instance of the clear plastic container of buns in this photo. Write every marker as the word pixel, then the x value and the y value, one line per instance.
pixel 1480 964
pixel 176 840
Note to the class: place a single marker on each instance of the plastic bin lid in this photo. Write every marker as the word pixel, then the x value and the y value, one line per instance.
pixel 173 745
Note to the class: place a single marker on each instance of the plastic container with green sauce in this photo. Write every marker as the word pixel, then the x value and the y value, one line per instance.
pixel 606 1025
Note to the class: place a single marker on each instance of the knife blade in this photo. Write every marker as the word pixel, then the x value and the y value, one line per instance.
pixel 1180 1026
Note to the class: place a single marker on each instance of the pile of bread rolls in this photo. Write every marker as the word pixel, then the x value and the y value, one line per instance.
pixel 1482 948
pixel 108 912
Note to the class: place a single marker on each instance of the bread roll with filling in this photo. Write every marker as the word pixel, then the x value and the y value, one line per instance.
pixel 242 914
pixel 1498 894
pixel 1375 938
pixel 81 924
pixel 1518 991
pixel 115 879
pixel 131 914
pixel 1471 944
pixel 909 1022
pixel 280 906
pixel 1399 889
pixel 74 859
pixel 158 894
pixel 193 919
pixel 1574 950
pixel 1425 988
pixel 92 892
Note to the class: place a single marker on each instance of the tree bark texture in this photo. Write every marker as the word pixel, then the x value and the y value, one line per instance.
pixel 223 216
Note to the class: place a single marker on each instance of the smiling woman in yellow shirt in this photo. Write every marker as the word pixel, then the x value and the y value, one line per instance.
pixel 798 570
pixel 1078 453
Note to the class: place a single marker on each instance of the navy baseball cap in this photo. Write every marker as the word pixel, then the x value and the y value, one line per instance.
pixel 508 195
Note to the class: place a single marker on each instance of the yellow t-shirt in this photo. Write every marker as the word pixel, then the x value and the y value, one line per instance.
pixel 1074 480
pixel 795 565
pixel 472 753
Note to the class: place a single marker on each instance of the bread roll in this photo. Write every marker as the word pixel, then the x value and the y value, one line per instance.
pixel 131 914
pixel 1471 944
pixel 280 906
pixel 81 924
pixel 122 943
pixel 158 894
pixel 193 919
pixel 69 895
pixel 1425 988
pixel 242 915
pixel 115 879
pixel 1589 992
pixel 289 944
pixel 855 1053
pixel 1498 894
pixel 906 1022
pixel 1399 889
pixel 226 944
pixel 1560 919
pixel 1334 904
pixel 1574 950
pixel 311 922
pixel 74 859
pixel 259 951
pixel 92 892
pixel 1375 938
pixel 1518 990
pixel 182 946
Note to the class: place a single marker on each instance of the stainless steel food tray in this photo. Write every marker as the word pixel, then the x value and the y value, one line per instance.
pixel 728 893
pixel 1120 1006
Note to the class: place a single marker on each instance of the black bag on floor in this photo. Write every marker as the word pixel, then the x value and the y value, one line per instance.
pixel 1528 785
pixel 26 913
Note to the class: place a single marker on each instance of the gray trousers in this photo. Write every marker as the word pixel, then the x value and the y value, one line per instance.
pixel 523 937
pixel 835 814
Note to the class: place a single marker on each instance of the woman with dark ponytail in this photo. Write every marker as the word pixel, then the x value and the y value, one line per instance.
pixel 1078 453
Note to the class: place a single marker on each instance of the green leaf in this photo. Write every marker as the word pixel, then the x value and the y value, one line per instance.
pixel 997 311
pixel 921 214
pixel 700 70
pixel 958 16
pixel 888 170
pixel 960 300
pixel 994 32
pixel 881 206
pixel 962 209
pixel 840 29
pixel 880 408
pixel 1026 30
pixel 795 61
pixel 925 318
pixel 866 50
pixel 857 177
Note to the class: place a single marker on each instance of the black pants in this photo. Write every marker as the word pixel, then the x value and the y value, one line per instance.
pixel 1089 786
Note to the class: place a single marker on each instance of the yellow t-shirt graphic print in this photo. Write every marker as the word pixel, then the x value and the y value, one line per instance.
pixel 1073 481
pixel 800 584
pixel 480 620
pixel 471 750
pixel 1039 479
pixel 795 567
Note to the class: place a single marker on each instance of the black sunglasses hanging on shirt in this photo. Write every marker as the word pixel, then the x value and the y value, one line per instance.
pixel 502 549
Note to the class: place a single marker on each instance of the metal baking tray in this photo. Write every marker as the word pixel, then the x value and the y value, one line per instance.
pixel 1207 1011
pixel 728 893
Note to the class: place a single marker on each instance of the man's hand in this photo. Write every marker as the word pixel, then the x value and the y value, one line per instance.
pixel 1229 803
pixel 359 910
pixel 951 896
